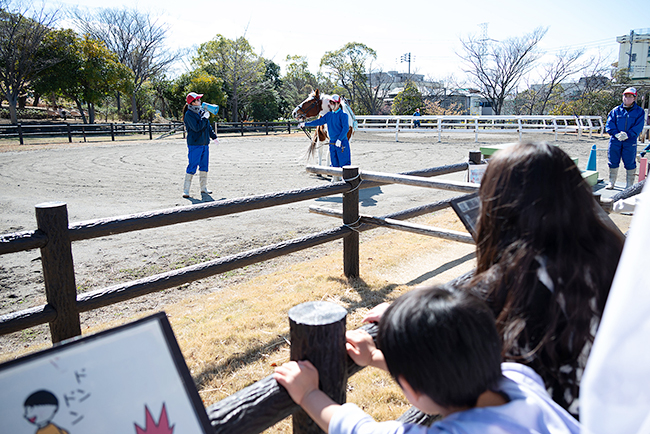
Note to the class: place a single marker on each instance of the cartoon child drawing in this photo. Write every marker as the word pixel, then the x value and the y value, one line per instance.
pixel 40 408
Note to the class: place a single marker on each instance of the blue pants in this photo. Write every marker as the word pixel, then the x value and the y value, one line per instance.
pixel 341 156
pixel 197 155
pixel 618 151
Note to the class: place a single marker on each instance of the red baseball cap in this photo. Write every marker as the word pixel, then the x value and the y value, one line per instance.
pixel 630 90
pixel 192 96
pixel 335 98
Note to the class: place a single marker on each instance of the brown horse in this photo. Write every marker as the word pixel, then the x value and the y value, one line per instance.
pixel 316 105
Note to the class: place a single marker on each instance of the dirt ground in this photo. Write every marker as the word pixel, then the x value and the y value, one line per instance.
pixel 105 179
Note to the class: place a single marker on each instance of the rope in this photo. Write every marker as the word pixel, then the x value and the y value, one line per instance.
pixel 352 179
pixel 305 131
pixel 354 226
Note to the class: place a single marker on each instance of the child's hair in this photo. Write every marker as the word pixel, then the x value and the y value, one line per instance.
pixel 444 343
pixel 41 397
pixel 545 260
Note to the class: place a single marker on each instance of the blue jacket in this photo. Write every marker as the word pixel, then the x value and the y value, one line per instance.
pixel 199 130
pixel 631 122
pixel 337 125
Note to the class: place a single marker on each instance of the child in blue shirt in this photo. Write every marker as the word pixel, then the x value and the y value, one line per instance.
pixel 443 349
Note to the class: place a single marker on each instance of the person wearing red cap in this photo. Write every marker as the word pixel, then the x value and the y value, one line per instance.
pixel 337 130
pixel 199 133
pixel 624 124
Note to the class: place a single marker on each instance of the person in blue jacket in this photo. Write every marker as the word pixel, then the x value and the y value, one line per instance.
pixel 337 130
pixel 416 122
pixel 199 133
pixel 624 124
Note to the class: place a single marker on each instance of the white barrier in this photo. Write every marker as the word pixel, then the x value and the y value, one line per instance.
pixel 483 124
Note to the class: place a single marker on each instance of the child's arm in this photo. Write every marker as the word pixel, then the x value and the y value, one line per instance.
pixel 362 350
pixel 301 381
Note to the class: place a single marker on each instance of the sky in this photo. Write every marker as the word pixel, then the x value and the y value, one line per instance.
pixel 429 30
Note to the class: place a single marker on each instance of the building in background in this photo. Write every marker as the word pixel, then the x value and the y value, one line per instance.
pixel 634 54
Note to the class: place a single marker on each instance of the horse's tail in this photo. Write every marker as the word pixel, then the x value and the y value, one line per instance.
pixel 311 150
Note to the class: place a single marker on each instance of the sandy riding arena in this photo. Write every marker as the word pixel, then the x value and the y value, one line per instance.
pixel 106 179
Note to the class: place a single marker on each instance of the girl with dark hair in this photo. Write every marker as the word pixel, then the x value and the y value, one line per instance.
pixel 545 262
pixel 546 258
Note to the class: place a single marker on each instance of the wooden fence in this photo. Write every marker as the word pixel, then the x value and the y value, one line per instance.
pixel 153 130
pixel 483 124
pixel 263 404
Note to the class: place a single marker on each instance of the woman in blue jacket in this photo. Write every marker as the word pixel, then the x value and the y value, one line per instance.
pixel 337 130
pixel 199 133
pixel 624 124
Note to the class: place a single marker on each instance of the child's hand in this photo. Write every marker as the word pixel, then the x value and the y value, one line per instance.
pixel 375 313
pixel 299 378
pixel 360 347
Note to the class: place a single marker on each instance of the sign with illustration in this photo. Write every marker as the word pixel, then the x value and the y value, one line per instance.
pixel 131 379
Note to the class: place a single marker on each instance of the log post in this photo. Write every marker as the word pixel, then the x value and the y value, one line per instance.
pixel 58 270
pixel 20 133
pixel 317 331
pixel 150 132
pixel 351 218
pixel 112 132
pixel 67 125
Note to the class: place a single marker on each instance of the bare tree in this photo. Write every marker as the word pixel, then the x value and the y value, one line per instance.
pixel 22 34
pixel 135 37
pixel 496 68
pixel 536 99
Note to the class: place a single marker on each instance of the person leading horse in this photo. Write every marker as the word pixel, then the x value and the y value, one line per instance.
pixel 337 130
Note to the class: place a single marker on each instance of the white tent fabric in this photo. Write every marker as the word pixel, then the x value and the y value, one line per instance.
pixel 615 388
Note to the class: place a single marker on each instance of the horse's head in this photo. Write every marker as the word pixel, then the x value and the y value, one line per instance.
pixel 309 108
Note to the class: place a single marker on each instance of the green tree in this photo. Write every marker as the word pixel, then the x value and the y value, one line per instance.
pixel 350 68
pixel 237 65
pixel 407 100
pixel 198 81
pixel 21 39
pixel 298 82
pixel 87 72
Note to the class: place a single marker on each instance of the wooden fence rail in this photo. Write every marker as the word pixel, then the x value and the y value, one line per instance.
pixel 64 305
pixel 160 130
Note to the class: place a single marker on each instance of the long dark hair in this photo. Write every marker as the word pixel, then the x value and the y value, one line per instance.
pixel 545 261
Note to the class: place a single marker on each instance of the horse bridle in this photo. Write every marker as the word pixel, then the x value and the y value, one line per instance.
pixel 304 112
pixel 314 102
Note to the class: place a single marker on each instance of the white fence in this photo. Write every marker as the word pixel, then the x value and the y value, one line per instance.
pixel 483 124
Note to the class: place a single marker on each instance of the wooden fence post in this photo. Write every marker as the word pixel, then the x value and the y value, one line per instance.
pixel 351 218
pixel 69 132
pixel 150 135
pixel 112 132
pixel 317 331
pixel 20 133
pixel 58 270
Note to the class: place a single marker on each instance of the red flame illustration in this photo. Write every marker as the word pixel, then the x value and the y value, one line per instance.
pixel 151 427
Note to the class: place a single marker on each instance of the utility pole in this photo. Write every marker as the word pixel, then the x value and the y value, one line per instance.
pixel 629 54
pixel 407 58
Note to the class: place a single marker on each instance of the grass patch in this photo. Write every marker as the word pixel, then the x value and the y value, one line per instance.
pixel 234 336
